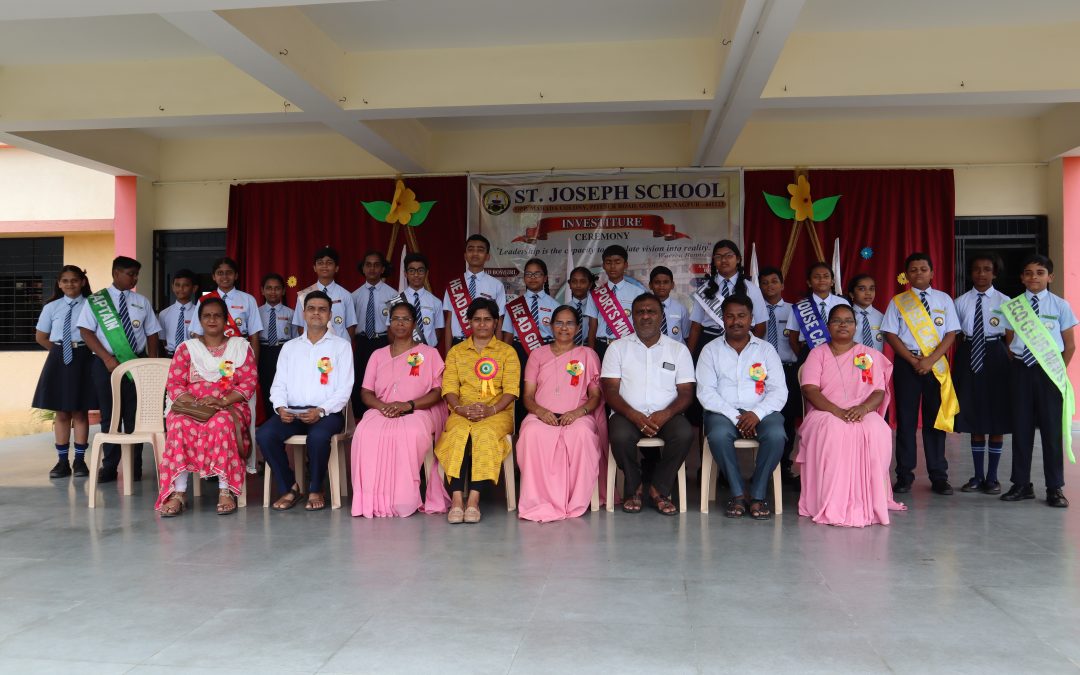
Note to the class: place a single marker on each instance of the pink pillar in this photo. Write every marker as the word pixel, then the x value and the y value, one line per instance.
pixel 124 218
pixel 1067 275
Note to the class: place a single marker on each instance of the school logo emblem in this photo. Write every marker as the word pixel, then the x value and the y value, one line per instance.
pixel 496 201
pixel 427 320
pixel 879 337
pixel 674 330
pixel 994 321
pixel 239 322
pixel 546 321
pixel 338 320
pixel 385 312
pixel 939 321
pixel 136 323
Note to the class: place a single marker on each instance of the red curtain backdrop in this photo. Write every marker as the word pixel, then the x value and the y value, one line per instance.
pixel 276 227
pixel 893 212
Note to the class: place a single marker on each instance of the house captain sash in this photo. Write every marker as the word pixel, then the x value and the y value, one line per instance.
pixel 922 328
pixel 460 301
pixel 1040 343
pixel 231 329
pixel 525 328
pixel 614 315
pixel 104 311
pixel 713 308
pixel 810 322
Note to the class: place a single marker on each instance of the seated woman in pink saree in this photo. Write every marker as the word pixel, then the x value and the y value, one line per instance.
pixel 558 448
pixel 219 372
pixel 845 445
pixel 402 390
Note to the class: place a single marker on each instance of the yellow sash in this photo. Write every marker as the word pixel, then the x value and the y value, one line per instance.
pixel 922 328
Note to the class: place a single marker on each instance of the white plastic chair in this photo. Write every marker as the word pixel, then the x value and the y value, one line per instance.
pixel 507 470
pixel 150 376
pixel 613 468
pixel 708 480
pixel 338 469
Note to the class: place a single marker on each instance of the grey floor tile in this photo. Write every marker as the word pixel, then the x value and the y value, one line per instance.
pixel 617 646
pixel 832 649
pixel 966 649
pixel 36 666
pixel 608 600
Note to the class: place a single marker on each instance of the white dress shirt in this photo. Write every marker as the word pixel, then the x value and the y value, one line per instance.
pixel 54 314
pixel 284 315
pixel 784 324
pixel 725 385
pixel 1056 315
pixel 625 292
pixel 829 302
pixel 143 320
pixel 342 308
pixel 700 316
pixel 297 380
pixel 992 324
pixel 168 318
pixel 545 305
pixel 678 319
pixel 382 295
pixel 244 310
pixel 431 312
pixel 942 311
pixel 874 318
pixel 487 286
pixel 648 375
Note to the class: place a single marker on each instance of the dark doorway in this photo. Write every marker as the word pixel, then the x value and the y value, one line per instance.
pixel 1011 237
pixel 176 249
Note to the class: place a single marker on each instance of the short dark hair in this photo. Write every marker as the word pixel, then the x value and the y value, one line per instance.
pixel 587 272
pixel 407 305
pixel 615 249
pixel 840 307
pixel 766 271
pixel 185 273
pixel 382 261
pixel 482 303
pixel 993 258
pixel 327 252
pixel 226 261
pixel 566 308
pixel 1041 260
pixel 317 295
pixel 854 281
pixel 122 262
pixel 645 297
pixel 480 238
pixel 737 299
pixel 819 265
pixel 213 300
pixel 416 257
pixel 916 256
pixel 273 276
pixel 658 270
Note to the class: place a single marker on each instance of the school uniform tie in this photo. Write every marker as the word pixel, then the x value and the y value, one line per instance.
pixel 369 318
pixel 663 319
pixel 978 337
pixel 419 315
pixel 925 303
pixel 534 309
pixel 867 336
pixel 771 332
pixel 579 337
pixel 125 321
pixel 68 352
pixel 726 291
pixel 271 330
pixel 1027 356
pixel 824 316
pixel 472 286
pixel 178 337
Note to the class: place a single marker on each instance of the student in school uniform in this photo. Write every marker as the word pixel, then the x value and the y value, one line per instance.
pixel 65 385
pixel 134 334
pixel 243 308
pixel 861 292
pixel 624 291
pixel 176 319
pixel 726 278
pixel 1036 398
pixel 914 381
pixel 540 306
pixel 429 311
pixel 676 319
pixel 820 280
pixel 582 282
pixel 771 282
pixel 982 371
pixel 276 318
pixel 343 308
pixel 475 283
pixel 372 307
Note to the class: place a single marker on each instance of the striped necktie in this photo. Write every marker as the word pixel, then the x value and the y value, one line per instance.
pixel 69 355
pixel 867 336
pixel 772 334
pixel 663 319
pixel 579 337
pixel 419 315
pixel 727 288
pixel 925 303
pixel 125 321
pixel 472 286
pixel 178 337
pixel 1027 356
pixel 534 309
pixel 369 313
pixel 271 328
pixel 978 336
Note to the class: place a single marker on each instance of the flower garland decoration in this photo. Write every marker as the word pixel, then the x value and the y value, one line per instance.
pixel 324 367
pixel 865 363
pixel 486 369
pixel 414 360
pixel 758 373
pixel 576 370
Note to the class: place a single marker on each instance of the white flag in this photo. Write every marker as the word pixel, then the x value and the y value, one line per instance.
pixel 401 285
pixel 753 263
pixel 566 294
pixel 838 285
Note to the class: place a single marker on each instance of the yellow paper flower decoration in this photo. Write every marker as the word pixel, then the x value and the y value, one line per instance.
pixel 404 205
pixel 291 282
pixel 800 199
pixel 902 279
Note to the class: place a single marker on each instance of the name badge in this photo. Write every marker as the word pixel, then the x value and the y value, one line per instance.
pixel 668 366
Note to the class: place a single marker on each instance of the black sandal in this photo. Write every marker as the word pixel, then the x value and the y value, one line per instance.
pixel 294 493
pixel 736 507
pixel 759 510
pixel 662 505
pixel 632 505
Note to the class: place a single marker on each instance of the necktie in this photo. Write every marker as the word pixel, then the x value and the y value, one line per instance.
pixel 727 288
pixel 178 338
pixel 1027 356
pixel 922 296
pixel 419 315
pixel 271 330
pixel 579 337
pixel 867 336
pixel 369 318
pixel 663 319
pixel 125 321
pixel 771 332
pixel 472 286
pixel 534 308
pixel 824 316
pixel 978 336
pixel 68 355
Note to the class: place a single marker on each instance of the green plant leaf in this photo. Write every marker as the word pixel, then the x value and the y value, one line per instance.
pixel 377 210
pixel 824 207
pixel 420 216
pixel 781 206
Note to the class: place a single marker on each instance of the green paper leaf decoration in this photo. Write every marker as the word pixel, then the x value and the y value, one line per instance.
pixel 377 210
pixel 420 216
pixel 824 207
pixel 781 206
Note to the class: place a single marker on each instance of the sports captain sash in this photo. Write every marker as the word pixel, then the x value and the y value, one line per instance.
pixel 1040 343
pixel 418 327
pixel 713 308
pixel 101 305
pixel 811 324
pixel 612 311
pixel 528 333
pixel 922 328
pixel 231 329
pixel 460 301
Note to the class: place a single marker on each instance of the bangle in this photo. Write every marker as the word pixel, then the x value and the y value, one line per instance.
pixel 412 406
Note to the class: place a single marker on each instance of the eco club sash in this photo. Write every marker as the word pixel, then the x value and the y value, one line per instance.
pixel 922 328
pixel 612 311
pixel 231 329
pixel 713 308
pixel 811 324
pixel 101 305
pixel 1040 342
pixel 528 333
pixel 418 328
pixel 460 301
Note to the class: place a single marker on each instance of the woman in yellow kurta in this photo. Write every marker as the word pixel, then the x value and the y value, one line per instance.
pixel 480 384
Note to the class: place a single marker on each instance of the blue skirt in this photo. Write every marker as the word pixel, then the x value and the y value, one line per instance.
pixel 66 388
pixel 985 405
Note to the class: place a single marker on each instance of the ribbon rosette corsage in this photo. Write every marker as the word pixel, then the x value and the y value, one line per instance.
pixel 576 370
pixel 486 369
pixel 324 367
pixel 414 360
pixel 758 375
pixel 226 370
pixel 866 364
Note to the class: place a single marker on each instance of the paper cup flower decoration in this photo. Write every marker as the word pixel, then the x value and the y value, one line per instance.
pixel 865 364
pixel 867 253
pixel 902 279
pixel 486 369
pixel 291 282
pixel 576 370
pixel 324 367
pixel 414 360
pixel 758 373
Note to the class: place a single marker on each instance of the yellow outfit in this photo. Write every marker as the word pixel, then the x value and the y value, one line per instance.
pixel 489 446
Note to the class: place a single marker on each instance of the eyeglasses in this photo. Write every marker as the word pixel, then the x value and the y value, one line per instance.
pixel 401 319
pixel 533 275
pixel 842 322
pixel 724 256
pixel 416 270
pixel 564 324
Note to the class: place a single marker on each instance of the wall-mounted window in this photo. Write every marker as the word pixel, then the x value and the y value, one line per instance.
pixel 28 268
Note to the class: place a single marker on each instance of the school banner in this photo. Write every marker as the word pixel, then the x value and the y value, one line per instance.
pixel 661 218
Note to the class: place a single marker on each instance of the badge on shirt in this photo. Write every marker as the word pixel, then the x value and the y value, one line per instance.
pixel 427 320
pixel 136 323
pixel 338 320
pixel 674 330
pixel 239 321
pixel 385 312
pixel 994 321
pixel 939 321
pixel 668 366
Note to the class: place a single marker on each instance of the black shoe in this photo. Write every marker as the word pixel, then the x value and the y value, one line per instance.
pixel 973 485
pixel 941 487
pixel 991 488
pixel 901 488
pixel 106 475
pixel 1019 492
pixel 61 470
pixel 136 475
pixel 1056 499
pixel 79 468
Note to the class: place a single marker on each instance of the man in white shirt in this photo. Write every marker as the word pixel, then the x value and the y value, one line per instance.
pixel 311 388
pixel 648 382
pixel 742 389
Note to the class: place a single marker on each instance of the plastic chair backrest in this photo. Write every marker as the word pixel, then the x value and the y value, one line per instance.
pixel 150 377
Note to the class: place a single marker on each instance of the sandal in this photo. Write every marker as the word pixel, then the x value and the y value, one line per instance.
pixel 172 512
pixel 293 496
pixel 632 505
pixel 759 510
pixel 736 507
pixel 315 502
pixel 665 506
pixel 228 507
pixel 455 516
pixel 472 515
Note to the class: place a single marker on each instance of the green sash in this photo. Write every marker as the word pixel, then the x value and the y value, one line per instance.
pixel 101 305
pixel 1040 342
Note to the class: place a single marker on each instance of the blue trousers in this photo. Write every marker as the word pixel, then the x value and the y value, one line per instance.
pixel 271 438
pixel 722 435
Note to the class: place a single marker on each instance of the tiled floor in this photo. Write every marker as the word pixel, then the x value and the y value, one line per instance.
pixel 960 584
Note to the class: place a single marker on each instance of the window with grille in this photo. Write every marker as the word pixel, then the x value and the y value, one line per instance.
pixel 28 269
